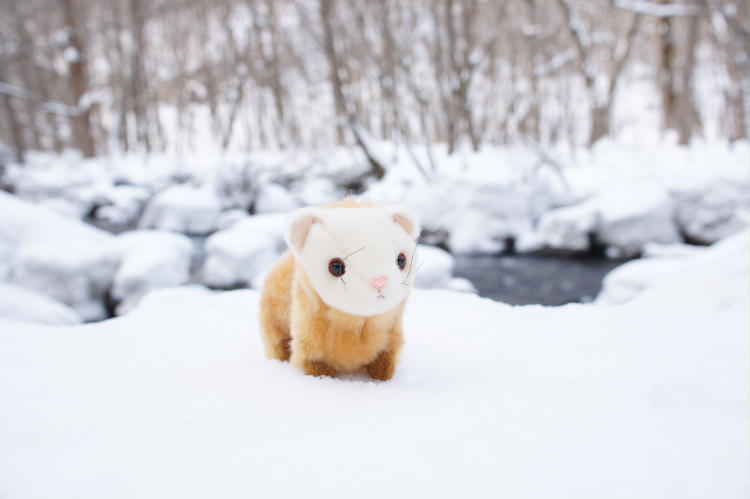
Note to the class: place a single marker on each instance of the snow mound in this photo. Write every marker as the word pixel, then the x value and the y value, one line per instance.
pixel 624 218
pixel 81 266
pixel 183 208
pixel 629 280
pixel 478 218
pixel 237 256
pixel 21 304
pixel 489 400
pixel 274 198
pixel 435 271
pixel 150 260
pixel 57 256
pixel 121 206
pixel 713 210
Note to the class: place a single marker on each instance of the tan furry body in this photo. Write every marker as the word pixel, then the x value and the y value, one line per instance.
pixel 297 325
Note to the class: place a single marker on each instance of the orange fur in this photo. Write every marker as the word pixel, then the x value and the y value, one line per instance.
pixel 297 325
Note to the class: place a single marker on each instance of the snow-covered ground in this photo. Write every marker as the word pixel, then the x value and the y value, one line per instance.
pixel 647 399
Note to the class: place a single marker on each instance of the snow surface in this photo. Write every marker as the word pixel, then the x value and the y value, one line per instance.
pixel 647 399
pixel 57 256
pixel 19 304
pixel 150 260
pixel 183 208
pixel 76 264
pixel 239 254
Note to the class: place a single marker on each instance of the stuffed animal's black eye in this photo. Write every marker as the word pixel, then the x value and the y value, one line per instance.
pixel 401 261
pixel 336 267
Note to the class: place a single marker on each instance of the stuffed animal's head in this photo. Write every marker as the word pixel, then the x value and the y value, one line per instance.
pixel 358 259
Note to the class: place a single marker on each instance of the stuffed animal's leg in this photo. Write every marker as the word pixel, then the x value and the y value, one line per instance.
pixel 318 368
pixel 277 340
pixel 384 365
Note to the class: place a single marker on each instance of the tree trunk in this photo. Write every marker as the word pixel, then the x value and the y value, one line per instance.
pixel 138 77
pixel 78 81
pixel 19 146
pixel 334 68
pixel 689 119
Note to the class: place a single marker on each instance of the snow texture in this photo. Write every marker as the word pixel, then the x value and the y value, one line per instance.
pixel 646 399
pixel 183 208
pixel 624 194
pixel 57 256
pixel 618 222
pixel 150 260
pixel 19 304
pixel 236 256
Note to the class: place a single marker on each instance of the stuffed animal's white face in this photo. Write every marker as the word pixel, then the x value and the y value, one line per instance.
pixel 359 260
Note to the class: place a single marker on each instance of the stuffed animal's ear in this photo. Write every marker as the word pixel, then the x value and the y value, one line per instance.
pixel 406 219
pixel 298 227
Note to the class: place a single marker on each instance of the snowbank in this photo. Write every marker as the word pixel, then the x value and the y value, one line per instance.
pixel 663 263
pixel 150 260
pixel 624 218
pixel 183 208
pixel 435 271
pixel 120 207
pixel 622 195
pixel 57 256
pixel 648 399
pixel 19 304
pixel 236 256
pixel 83 267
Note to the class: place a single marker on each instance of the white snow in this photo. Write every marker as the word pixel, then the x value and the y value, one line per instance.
pixel 662 263
pixel 121 206
pixel 625 218
pixel 435 271
pixel 150 260
pixel 76 264
pixel 713 210
pixel 236 256
pixel 473 202
pixel 59 257
pixel 183 208
pixel 274 198
pixel 646 399
pixel 19 304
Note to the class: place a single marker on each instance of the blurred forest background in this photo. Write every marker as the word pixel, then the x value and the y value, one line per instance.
pixel 172 75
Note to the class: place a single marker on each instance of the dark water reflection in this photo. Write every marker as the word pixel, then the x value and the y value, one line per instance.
pixel 536 279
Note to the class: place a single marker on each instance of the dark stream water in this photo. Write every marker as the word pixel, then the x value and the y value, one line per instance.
pixel 536 279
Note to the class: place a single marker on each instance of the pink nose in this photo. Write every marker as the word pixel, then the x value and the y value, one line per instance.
pixel 379 282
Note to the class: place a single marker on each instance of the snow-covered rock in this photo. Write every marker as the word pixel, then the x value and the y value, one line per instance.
pixel 713 210
pixel 634 215
pixel 489 400
pixel 150 260
pixel 57 256
pixel 312 191
pixel 236 256
pixel 434 268
pixel 19 304
pixel 274 198
pixel 121 206
pixel 624 218
pixel 478 218
pixel 183 208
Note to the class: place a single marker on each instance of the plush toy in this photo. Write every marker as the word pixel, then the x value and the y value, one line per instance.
pixel 334 303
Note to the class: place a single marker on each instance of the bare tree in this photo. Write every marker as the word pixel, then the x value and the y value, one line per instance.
pixel 600 103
